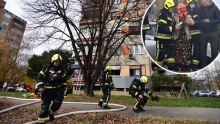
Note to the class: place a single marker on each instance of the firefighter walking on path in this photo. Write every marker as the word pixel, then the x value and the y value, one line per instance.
pixel 163 35
pixel 137 90
pixel 107 86
pixel 51 82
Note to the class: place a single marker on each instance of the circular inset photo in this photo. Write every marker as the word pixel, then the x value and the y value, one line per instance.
pixel 182 36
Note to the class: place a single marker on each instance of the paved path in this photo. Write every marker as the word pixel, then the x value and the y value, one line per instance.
pixel 211 114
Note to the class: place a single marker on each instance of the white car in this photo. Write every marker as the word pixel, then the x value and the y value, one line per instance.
pixel 150 43
pixel 20 89
pixel 216 93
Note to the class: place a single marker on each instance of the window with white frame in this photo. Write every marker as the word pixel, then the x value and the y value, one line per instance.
pixel 87 49
pixel 116 1
pixel 134 72
pixel 115 15
pixel 7 15
pixel 117 53
pixel 86 32
pixel 5 22
pixel 118 33
pixel 136 49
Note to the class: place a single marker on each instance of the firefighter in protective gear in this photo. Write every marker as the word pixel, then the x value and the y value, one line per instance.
pixel 106 89
pixel 195 33
pixel 146 25
pixel 163 35
pixel 137 90
pixel 51 82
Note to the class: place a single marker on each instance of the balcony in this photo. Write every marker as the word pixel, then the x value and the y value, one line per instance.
pixel 91 21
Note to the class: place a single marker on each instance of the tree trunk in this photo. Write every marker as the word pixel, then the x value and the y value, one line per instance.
pixel 88 85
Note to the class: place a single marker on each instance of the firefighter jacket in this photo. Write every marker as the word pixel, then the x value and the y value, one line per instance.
pixel 194 29
pixel 108 78
pixel 165 25
pixel 146 25
pixel 138 88
pixel 45 77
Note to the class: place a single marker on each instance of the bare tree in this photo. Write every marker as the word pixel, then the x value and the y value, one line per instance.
pixel 217 74
pixel 108 25
pixel 208 76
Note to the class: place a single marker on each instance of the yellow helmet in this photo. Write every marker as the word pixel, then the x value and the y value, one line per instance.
pixel 168 4
pixel 189 1
pixel 56 57
pixel 143 79
pixel 108 68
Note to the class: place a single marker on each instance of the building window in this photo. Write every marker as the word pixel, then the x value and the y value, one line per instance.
pixel 5 22
pixel 118 33
pixel 3 30
pixel 115 15
pixel 7 15
pixel 93 50
pixel 117 53
pixel 116 1
pixel 136 49
pixel 134 72
pixel 86 32
pixel 115 72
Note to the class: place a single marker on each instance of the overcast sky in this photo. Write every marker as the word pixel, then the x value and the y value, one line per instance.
pixel 14 7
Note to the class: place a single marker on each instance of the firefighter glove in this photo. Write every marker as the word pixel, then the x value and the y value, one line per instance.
pixel 155 98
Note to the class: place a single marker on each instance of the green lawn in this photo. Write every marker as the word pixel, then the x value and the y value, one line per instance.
pixel 128 100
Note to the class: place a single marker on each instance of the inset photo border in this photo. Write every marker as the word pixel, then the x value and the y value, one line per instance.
pixel 181 42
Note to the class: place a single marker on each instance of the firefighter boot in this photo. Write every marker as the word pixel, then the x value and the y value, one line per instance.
pixel 100 103
pixel 188 66
pixel 141 109
pixel 51 117
pixel 106 107
pixel 135 110
pixel 171 57
pixel 196 57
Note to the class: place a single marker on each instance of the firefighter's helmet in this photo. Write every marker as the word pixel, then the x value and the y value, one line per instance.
pixel 168 4
pixel 143 79
pixel 108 68
pixel 56 57
pixel 189 1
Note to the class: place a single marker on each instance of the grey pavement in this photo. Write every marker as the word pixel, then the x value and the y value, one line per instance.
pixel 210 114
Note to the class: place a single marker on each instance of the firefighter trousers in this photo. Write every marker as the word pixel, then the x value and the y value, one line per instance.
pixel 165 46
pixel 140 103
pixel 55 95
pixel 195 56
pixel 106 94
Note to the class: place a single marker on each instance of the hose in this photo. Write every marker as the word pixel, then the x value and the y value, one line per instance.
pixel 62 115
pixel 17 106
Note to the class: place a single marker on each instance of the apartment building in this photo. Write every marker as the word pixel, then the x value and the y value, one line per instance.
pixel 130 61
pixel 12 27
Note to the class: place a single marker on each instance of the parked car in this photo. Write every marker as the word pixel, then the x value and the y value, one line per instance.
pixel 210 93
pixel 10 89
pixel 150 43
pixel 194 93
pixel 216 93
pixel 20 89
pixel 203 93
